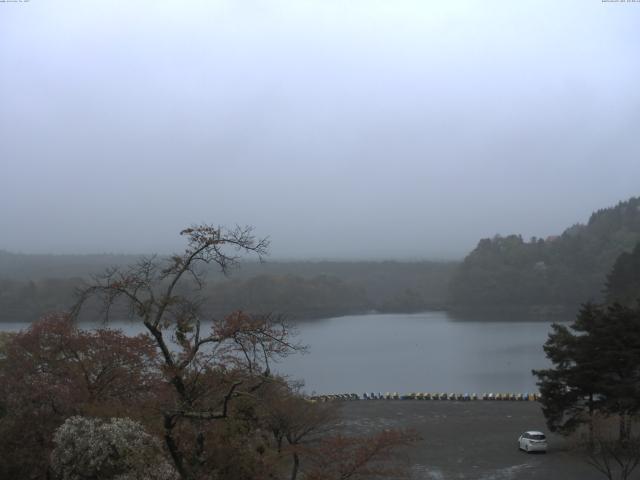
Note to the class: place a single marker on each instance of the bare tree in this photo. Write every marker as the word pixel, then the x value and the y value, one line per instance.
pixel 204 369
pixel 294 419
pixel 616 458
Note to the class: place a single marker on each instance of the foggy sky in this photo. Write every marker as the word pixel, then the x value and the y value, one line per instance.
pixel 341 129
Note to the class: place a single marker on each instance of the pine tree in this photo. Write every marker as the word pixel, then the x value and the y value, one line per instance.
pixel 623 283
pixel 596 368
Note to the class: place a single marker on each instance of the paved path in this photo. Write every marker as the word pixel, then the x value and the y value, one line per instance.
pixel 471 440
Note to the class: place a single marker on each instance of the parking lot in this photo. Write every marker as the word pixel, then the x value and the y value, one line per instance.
pixel 471 440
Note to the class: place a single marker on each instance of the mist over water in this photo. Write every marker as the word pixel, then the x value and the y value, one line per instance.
pixel 473 161
pixel 377 129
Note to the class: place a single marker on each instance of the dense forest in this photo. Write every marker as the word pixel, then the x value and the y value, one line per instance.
pixel 549 275
pixel 623 283
pixel 502 274
pixel 31 285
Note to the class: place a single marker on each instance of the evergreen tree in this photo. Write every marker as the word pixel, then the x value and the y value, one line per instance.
pixel 596 368
pixel 569 390
pixel 561 271
pixel 623 283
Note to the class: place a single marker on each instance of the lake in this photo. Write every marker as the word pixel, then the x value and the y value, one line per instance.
pixel 427 352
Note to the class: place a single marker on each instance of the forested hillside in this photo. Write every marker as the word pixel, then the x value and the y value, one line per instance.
pixel 33 284
pixel 623 283
pixel 557 273
pixel 549 275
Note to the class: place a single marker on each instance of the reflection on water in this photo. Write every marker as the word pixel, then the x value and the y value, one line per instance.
pixel 419 352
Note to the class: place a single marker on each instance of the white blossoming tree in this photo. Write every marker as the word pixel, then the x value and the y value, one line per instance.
pixel 115 449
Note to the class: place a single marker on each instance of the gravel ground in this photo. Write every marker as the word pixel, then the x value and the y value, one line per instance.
pixel 470 440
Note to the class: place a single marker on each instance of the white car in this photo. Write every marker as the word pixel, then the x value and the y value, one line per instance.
pixel 532 442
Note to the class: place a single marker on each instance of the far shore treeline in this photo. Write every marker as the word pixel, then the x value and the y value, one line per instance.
pixel 33 284
pixel 505 274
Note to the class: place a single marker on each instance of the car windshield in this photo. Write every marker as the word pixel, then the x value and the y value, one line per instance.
pixel 537 436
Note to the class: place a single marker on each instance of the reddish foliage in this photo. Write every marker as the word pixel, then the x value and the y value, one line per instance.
pixel 54 370
pixel 216 382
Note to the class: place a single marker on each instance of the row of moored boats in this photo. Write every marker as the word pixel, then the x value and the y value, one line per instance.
pixel 461 397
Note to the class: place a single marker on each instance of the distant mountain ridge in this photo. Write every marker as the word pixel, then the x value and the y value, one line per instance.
pixel 557 273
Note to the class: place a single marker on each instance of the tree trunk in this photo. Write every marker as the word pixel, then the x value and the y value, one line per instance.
pixel 623 427
pixel 296 465
pixel 591 421
pixel 174 451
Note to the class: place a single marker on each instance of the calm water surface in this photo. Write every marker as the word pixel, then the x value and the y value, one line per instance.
pixel 420 352
pixel 425 352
